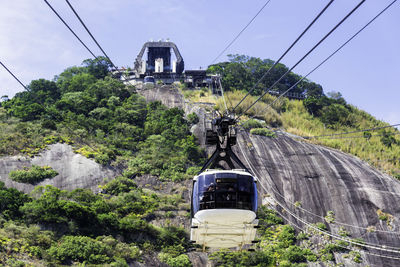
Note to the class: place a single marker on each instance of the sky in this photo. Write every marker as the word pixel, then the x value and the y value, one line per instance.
pixel 35 44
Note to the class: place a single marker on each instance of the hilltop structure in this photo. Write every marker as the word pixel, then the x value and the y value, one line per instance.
pixel 156 59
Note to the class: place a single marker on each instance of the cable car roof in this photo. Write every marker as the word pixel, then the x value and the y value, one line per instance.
pixel 237 171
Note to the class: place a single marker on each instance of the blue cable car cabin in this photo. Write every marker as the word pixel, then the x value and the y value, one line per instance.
pixel 224 205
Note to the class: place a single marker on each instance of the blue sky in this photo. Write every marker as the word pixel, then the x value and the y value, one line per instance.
pixel 35 44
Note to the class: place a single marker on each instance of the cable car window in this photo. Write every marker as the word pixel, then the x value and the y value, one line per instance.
pixel 226 190
pixel 206 191
pixel 195 198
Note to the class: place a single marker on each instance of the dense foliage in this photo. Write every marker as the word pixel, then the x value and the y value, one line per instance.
pixel 32 175
pixel 318 114
pixel 242 72
pixel 86 227
pixel 105 120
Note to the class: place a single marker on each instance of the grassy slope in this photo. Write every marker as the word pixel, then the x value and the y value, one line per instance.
pixel 294 118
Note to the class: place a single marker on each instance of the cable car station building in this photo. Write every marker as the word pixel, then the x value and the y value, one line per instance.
pixel 156 59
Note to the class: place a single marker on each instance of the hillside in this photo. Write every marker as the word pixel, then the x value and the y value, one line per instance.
pixel 86 130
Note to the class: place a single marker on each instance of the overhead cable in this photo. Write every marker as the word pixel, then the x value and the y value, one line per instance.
pixel 358 131
pixel 360 136
pixel 331 55
pixel 15 77
pixel 295 224
pixel 308 53
pixel 91 35
pixel 77 37
pixel 364 244
pixel 287 50
pixel 301 208
pixel 237 36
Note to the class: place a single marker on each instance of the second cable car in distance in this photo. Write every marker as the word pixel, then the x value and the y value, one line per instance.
pixel 224 202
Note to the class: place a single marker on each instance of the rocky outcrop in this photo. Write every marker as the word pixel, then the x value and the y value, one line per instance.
pixel 317 180
pixel 74 170
pixel 168 95
pixel 310 181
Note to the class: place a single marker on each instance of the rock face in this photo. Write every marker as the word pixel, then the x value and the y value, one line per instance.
pixel 75 171
pixel 319 180
pixel 168 95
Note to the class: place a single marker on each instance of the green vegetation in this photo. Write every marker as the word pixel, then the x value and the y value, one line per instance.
pixel 87 227
pixel 104 119
pixel 107 121
pixel 318 114
pixel 263 132
pixel 32 175
pixel 250 124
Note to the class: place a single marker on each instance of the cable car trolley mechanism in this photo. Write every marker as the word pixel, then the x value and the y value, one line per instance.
pixel 224 200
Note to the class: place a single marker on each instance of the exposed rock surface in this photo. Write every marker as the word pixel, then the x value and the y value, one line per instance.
pixel 320 179
pixel 74 170
pixel 168 95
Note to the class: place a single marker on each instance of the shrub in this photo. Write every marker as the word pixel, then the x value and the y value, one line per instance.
pixel 80 248
pixel 263 132
pixel 250 124
pixel 10 202
pixel 119 185
pixel 32 175
pixel 180 261
pixel 193 118
pixel 321 226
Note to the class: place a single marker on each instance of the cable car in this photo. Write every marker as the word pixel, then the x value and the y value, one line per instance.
pixel 224 205
pixel 149 82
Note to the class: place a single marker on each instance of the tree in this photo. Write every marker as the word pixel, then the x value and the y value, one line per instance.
pixel 4 98
pixel 98 67
pixel 334 114
pixel 44 91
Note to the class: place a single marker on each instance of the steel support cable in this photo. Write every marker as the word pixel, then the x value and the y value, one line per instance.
pixel 302 209
pixel 331 55
pixel 234 39
pixel 364 244
pixel 358 131
pixel 238 35
pixel 91 35
pixel 15 77
pixel 223 97
pixel 348 248
pixel 308 53
pixel 359 136
pixel 284 54
pixel 63 21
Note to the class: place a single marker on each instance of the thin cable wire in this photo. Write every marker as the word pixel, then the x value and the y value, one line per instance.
pixel 287 50
pixel 360 136
pixel 77 37
pixel 15 77
pixel 238 35
pixel 348 248
pixel 358 131
pixel 331 55
pixel 223 97
pixel 309 52
pixel 302 209
pixel 91 35
pixel 364 244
